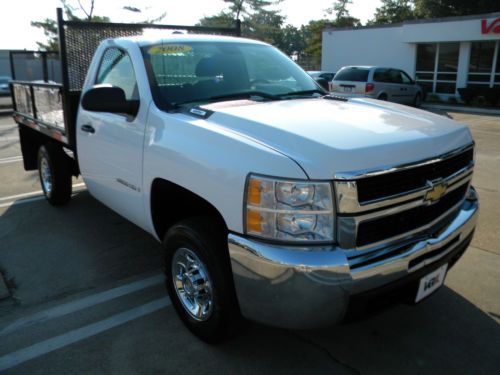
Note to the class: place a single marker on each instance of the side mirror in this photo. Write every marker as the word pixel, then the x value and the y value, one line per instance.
pixel 322 82
pixel 109 99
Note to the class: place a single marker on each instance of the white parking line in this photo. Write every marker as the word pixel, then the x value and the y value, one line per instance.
pixel 82 303
pixel 34 351
pixel 29 197
pixel 12 159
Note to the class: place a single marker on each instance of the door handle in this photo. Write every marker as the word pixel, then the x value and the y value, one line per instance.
pixel 88 129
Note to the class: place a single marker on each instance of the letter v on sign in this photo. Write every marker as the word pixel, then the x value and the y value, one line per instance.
pixel 493 27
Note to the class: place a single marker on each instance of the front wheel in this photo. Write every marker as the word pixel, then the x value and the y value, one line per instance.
pixel 55 174
pixel 199 279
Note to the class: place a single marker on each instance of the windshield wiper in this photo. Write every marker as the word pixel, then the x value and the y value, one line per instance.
pixel 237 95
pixel 302 93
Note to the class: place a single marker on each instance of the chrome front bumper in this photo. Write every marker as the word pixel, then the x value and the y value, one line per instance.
pixel 303 288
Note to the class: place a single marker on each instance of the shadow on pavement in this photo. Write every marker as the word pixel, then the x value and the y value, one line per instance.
pixel 53 252
pixel 446 334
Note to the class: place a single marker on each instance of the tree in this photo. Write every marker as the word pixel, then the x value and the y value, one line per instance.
pixel 293 40
pixel 49 26
pixel 222 19
pixel 447 8
pixel 393 11
pixel 257 21
pixel 265 25
pixel 314 30
pixel 247 7
pixel 339 8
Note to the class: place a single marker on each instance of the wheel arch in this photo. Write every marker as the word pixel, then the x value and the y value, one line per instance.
pixel 170 203
pixel 383 93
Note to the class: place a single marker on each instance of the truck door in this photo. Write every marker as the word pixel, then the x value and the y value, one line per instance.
pixel 110 145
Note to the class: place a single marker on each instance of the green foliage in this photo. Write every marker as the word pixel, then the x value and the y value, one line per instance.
pixel 314 34
pixel 393 11
pixel 339 8
pixel 257 21
pixel 244 8
pixel 49 26
pixel 447 8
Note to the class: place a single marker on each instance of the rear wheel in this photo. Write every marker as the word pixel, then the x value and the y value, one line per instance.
pixel 199 280
pixel 382 97
pixel 418 100
pixel 55 174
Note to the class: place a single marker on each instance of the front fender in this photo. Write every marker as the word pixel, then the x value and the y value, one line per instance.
pixel 208 160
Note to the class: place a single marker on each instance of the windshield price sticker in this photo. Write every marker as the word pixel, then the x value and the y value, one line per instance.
pixel 169 49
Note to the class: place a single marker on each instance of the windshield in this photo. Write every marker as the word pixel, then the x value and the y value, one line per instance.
pixel 193 72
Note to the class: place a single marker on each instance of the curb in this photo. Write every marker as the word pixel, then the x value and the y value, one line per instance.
pixel 474 110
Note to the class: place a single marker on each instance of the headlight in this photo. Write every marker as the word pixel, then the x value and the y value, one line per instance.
pixel 289 210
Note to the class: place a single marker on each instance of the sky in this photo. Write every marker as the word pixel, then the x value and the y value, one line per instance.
pixel 16 32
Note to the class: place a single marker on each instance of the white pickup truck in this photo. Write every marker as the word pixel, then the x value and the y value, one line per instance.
pixel 273 200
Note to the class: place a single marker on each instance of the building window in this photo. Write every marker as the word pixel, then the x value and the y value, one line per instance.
pixel 437 65
pixel 426 57
pixel 484 68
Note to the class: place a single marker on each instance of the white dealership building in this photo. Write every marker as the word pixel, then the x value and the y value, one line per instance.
pixel 441 54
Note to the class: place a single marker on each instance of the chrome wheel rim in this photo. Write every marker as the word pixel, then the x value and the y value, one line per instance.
pixel 192 284
pixel 46 176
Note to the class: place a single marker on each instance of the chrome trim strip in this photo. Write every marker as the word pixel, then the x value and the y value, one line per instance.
pixel 282 211
pixel 370 172
pixel 348 225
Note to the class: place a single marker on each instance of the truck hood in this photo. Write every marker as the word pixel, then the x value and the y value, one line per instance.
pixel 328 136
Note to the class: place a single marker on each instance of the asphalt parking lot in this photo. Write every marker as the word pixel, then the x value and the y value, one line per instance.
pixel 86 296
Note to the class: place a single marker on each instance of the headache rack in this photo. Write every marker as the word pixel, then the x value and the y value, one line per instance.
pixel 45 95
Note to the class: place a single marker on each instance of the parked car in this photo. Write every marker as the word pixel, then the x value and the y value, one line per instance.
pixel 4 85
pixel 377 82
pixel 321 74
pixel 322 77
pixel 272 200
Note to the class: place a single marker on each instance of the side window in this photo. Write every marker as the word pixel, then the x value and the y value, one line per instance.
pixel 117 70
pixel 395 76
pixel 381 75
pixel 405 78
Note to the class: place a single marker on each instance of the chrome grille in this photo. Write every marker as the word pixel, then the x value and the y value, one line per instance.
pixel 410 200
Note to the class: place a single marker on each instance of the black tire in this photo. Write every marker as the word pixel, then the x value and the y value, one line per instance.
pixel 417 102
pixel 210 245
pixel 59 166
pixel 382 97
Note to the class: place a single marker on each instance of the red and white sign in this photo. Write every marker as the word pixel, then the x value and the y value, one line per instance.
pixel 492 27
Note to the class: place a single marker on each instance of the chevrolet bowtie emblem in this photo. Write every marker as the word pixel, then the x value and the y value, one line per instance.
pixel 437 191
